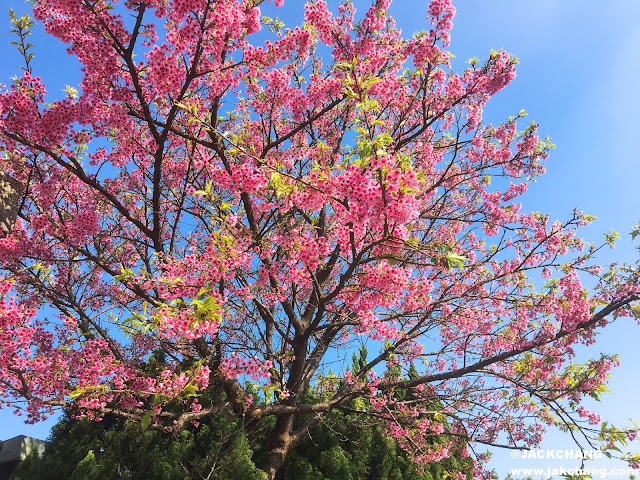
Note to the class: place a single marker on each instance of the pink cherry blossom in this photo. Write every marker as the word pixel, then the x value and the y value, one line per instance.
pixel 222 207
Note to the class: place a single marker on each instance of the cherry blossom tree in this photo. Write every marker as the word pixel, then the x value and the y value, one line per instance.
pixel 252 203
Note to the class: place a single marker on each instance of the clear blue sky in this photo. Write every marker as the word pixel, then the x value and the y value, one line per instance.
pixel 578 77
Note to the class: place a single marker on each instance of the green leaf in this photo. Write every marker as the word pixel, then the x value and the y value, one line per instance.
pixel 189 390
pixel 611 237
pixel 384 139
pixel 454 260
pixel 268 391
pixel 146 421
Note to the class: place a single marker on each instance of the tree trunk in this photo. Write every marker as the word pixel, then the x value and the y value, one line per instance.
pixel 10 191
pixel 280 443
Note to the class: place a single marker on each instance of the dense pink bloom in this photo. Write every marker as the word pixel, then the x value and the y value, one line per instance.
pixel 207 212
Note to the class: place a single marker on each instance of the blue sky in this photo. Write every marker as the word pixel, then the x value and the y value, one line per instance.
pixel 578 77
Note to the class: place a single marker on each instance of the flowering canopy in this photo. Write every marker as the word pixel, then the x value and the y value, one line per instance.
pixel 205 214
